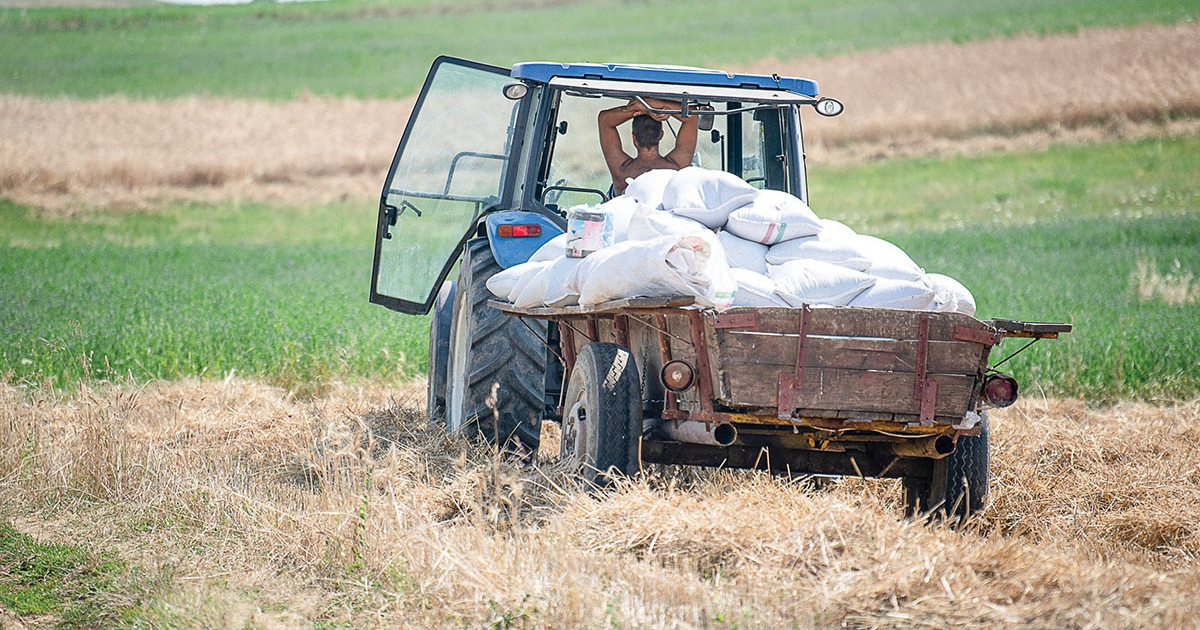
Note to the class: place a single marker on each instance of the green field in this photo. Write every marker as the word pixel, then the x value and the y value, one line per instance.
pixel 280 294
pixel 371 48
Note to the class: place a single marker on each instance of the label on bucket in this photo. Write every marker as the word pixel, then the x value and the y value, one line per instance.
pixel 588 230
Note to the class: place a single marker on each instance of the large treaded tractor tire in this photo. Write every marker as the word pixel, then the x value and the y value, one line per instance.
pixel 489 348
pixel 959 485
pixel 602 413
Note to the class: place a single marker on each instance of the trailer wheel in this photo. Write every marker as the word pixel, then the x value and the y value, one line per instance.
pixel 489 348
pixel 602 413
pixel 439 351
pixel 959 485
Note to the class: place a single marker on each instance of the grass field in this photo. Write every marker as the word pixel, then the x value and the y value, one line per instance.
pixel 377 49
pixel 1105 237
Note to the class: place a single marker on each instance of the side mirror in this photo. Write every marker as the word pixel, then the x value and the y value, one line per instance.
pixel 706 119
pixel 829 107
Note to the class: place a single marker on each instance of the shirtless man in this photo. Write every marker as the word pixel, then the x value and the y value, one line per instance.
pixel 647 132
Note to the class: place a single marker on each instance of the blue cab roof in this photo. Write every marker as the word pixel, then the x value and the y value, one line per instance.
pixel 543 72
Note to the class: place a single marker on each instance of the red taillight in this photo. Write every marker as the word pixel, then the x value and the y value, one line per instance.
pixel 519 231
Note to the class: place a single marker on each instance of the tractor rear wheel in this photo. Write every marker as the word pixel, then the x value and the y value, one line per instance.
pixel 489 349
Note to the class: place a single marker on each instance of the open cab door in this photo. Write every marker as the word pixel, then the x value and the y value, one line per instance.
pixel 449 169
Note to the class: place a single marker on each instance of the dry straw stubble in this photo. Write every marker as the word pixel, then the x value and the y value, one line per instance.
pixel 369 513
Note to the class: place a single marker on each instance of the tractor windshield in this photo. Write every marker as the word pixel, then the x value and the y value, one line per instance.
pixel 747 144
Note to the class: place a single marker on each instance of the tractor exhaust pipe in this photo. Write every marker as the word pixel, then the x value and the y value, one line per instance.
pixel 932 448
pixel 696 432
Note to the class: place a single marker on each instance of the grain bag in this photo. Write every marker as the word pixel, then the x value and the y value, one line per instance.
pixel 622 210
pixel 845 252
pixel 648 224
pixel 754 289
pixel 502 283
pixel 647 189
pixel 887 293
pixel 552 249
pixel 672 265
pixel 705 195
pixel 550 285
pixel 952 296
pixel 743 254
pixel 773 217
pixel 801 282
pixel 527 273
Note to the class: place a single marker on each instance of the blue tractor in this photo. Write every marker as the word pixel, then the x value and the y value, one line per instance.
pixel 489 163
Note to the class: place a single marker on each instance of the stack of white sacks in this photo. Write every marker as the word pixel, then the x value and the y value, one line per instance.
pixel 771 250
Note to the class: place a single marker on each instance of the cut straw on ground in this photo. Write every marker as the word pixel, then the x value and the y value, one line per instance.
pixel 352 507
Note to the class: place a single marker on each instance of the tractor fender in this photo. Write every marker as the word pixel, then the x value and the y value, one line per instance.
pixel 514 250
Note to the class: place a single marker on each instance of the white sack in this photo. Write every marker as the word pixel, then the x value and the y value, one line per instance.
pixel 552 249
pixel 648 224
pixel 621 209
pixel 528 271
pixel 863 253
pixel 904 294
pixel 952 296
pixel 888 260
pixel 801 282
pixel 663 267
pixel 502 283
pixel 549 286
pixel 647 188
pixel 845 252
pixel 773 217
pixel 754 289
pixel 705 195
pixel 831 229
pixel 743 254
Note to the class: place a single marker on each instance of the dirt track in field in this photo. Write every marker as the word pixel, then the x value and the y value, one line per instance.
pixel 1021 93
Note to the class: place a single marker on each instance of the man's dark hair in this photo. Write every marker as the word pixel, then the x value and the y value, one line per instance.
pixel 646 131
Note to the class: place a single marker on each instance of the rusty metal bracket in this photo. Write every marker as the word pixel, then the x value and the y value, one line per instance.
pixel 929 402
pixel 664 347
pixel 922 357
pixel 924 389
pixel 790 384
pixel 974 335
pixel 704 372
pixel 735 320
pixel 621 329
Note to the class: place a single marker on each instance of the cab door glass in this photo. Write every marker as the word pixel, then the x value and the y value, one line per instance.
pixel 752 151
pixel 449 168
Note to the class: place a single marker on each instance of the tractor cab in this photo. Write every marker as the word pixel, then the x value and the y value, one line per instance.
pixel 504 152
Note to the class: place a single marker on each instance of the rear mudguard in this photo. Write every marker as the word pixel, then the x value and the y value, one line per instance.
pixel 509 251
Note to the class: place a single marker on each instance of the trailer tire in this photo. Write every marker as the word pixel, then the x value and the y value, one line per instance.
pixel 958 487
pixel 439 351
pixel 602 414
pixel 490 349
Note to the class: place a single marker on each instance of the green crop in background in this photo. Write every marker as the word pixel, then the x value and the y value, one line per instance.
pixel 383 49
pixel 137 295
pixel 1105 237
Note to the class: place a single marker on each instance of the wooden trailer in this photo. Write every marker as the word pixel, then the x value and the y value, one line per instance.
pixel 814 390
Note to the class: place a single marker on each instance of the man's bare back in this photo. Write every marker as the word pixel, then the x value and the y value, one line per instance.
pixel 646 135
